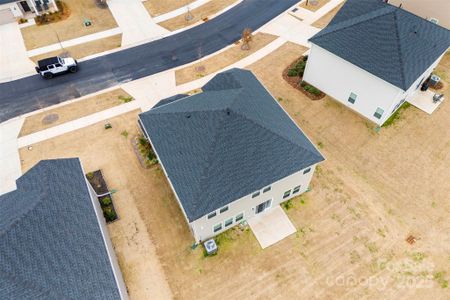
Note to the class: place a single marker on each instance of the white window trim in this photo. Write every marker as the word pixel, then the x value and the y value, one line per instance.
pixel 225 222
pixel 243 217
pixel 227 209
pixel 221 227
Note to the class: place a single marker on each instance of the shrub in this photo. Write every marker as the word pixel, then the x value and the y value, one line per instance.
pixel 109 214
pixel 293 73
pixel 106 201
pixel 311 89
pixel 305 58
pixel 90 175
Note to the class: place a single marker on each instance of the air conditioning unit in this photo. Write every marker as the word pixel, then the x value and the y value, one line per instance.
pixel 433 20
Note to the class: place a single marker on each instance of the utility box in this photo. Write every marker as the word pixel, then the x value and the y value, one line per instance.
pixel 210 247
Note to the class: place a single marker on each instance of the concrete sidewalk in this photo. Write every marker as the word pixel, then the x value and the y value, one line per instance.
pixel 135 22
pixel 14 60
pixel 179 11
pixel 10 167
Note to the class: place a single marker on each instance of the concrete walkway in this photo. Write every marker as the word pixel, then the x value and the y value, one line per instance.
pixel 424 101
pixel 10 167
pixel 14 60
pixel 308 17
pixel 271 227
pixel 135 22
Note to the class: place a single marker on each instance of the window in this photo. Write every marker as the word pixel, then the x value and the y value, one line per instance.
pixel 239 217
pixel 223 209
pixel 286 194
pixel 217 227
pixel 228 222
pixel 255 194
pixel 212 215
pixel 267 189
pixel 296 190
pixel 378 113
pixel 307 171
pixel 352 98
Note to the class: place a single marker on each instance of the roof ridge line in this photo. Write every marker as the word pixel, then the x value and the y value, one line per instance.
pixel 399 47
pixel 349 22
pixel 29 210
pixel 271 131
pixel 210 153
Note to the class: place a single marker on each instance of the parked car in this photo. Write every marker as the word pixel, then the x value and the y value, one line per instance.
pixel 52 66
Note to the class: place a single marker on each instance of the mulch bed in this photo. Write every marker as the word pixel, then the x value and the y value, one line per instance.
pixel 97 182
pixel 294 81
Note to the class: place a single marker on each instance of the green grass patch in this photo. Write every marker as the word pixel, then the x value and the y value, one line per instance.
pixel 396 115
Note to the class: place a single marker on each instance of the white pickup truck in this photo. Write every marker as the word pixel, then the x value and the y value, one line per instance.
pixel 52 66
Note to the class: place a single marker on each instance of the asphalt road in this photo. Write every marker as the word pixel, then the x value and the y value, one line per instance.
pixel 31 93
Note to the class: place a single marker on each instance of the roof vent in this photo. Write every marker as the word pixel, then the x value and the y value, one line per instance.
pixel 433 20
pixel 188 116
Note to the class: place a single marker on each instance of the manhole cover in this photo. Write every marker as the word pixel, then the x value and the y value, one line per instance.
pixel 49 119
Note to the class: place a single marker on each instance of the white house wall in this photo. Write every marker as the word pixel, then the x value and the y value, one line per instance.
pixel 14 9
pixel 412 90
pixel 107 241
pixel 203 228
pixel 338 78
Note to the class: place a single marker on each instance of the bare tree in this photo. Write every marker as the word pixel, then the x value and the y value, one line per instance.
pixel 247 37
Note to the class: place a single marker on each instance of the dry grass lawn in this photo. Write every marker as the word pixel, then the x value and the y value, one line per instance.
pixel 86 49
pixel 311 7
pixel 160 7
pixel 210 8
pixel 73 111
pixel 323 22
pixel 222 60
pixel 73 27
pixel 110 151
pixel 373 190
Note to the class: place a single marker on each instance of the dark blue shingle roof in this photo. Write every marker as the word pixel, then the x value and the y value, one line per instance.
pixel 384 40
pixel 51 246
pixel 226 142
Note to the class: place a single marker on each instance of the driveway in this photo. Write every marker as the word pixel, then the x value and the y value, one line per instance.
pixel 31 93
pixel 14 60
pixel 134 21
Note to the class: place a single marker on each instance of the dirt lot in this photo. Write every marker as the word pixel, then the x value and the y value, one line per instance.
pixel 159 7
pixel 311 7
pixel 322 22
pixel 210 8
pixel 373 190
pixel 112 152
pixel 73 111
pixel 86 49
pixel 73 27
pixel 220 61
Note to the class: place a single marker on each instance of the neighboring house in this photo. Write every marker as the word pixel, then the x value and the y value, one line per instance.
pixel 229 153
pixel 53 239
pixel 434 10
pixel 20 9
pixel 373 56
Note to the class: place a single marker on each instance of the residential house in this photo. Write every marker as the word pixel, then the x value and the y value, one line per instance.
pixel 53 239
pixel 20 9
pixel 229 153
pixel 374 56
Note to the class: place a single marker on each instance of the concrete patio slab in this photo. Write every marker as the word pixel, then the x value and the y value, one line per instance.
pixel 135 22
pixel 14 60
pixel 271 227
pixel 424 101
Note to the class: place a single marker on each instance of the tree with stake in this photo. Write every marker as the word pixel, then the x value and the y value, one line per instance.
pixel 247 37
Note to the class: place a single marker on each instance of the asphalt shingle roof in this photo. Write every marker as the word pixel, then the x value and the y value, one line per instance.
pixel 227 142
pixel 386 41
pixel 51 246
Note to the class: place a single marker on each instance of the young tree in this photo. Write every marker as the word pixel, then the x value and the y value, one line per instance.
pixel 247 37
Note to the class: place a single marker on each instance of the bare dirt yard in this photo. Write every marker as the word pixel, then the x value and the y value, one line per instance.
pixel 373 191
pixel 85 49
pixel 110 151
pixel 160 7
pixel 68 112
pixel 198 14
pixel 37 36
pixel 323 22
pixel 313 7
pixel 219 61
